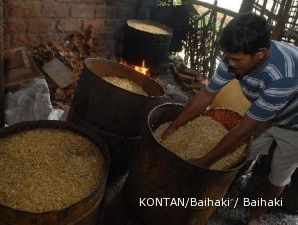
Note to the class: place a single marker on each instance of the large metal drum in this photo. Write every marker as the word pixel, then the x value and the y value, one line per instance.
pixel 141 43
pixel 156 172
pixel 117 115
pixel 84 212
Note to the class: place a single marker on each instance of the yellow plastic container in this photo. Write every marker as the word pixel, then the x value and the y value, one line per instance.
pixel 231 97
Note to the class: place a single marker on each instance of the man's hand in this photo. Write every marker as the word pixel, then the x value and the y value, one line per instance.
pixel 168 132
pixel 196 106
pixel 230 142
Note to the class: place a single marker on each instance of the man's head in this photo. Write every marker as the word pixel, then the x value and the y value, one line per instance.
pixel 246 42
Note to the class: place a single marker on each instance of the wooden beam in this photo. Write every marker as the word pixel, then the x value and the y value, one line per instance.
pixel 247 6
pixel 213 7
pixel 267 12
pixel 282 19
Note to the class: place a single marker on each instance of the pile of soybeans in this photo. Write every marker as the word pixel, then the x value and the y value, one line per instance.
pixel 126 85
pixel 146 26
pixel 197 138
pixel 47 170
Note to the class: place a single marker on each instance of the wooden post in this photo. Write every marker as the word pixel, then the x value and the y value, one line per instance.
pixel 246 6
pixel 282 19
pixel 2 100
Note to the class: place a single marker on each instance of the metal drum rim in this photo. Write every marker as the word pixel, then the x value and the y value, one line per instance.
pixel 187 164
pixel 155 23
pixel 8 131
pixel 126 68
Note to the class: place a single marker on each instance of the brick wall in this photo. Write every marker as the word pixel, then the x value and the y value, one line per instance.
pixel 1 28
pixel 31 22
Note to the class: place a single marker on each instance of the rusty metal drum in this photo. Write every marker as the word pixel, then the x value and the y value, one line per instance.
pixel 84 212
pixel 115 114
pixel 158 173
pixel 142 43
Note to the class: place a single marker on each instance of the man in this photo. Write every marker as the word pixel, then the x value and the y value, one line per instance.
pixel 268 75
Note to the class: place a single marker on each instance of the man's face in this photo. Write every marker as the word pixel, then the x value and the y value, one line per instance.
pixel 240 63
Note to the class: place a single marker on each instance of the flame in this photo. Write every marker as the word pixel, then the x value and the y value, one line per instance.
pixel 123 62
pixel 141 69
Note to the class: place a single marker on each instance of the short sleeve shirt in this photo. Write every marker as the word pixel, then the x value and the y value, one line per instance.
pixel 271 88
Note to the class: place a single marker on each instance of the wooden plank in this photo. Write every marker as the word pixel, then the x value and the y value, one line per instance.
pixel 61 74
pixel 18 67
pixel 214 7
pixel 15 58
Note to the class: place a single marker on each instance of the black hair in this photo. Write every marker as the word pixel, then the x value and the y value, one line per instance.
pixel 245 33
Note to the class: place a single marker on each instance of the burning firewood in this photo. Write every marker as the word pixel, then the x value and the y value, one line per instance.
pixel 189 79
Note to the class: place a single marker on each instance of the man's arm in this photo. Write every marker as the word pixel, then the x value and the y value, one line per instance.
pixel 196 106
pixel 230 141
pixel 202 99
pixel 258 117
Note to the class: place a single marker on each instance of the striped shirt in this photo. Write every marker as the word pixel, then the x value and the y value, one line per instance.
pixel 271 88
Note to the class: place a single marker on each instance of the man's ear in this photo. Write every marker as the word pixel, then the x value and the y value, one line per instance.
pixel 262 53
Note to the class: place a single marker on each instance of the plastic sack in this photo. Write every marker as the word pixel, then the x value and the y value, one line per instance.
pixel 31 102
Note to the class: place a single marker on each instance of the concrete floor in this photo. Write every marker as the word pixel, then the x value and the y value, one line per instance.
pixel 119 214
pixel 243 187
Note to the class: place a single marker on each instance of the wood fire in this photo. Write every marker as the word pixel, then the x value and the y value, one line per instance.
pixel 141 69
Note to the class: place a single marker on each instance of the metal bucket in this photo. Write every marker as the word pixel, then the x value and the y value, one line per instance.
pixel 158 173
pixel 84 212
pixel 116 114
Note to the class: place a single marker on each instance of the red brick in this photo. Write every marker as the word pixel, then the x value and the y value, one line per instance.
pixel 114 25
pixel 70 24
pixel 94 1
pixel 82 10
pixel 33 26
pixel 6 41
pixel 107 46
pixel 98 25
pixel 24 40
pixel 84 1
pixel 1 44
pixel 41 25
pixel 106 12
pixel 106 36
pixel 19 40
pixel 1 10
pixel 34 40
pixel 47 37
pixel 15 25
pixel 55 9
pixel 123 2
pixel 126 13
pixel 23 9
